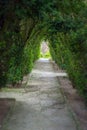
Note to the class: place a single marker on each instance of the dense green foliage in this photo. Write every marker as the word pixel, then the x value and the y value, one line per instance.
pixel 25 23
pixel 69 44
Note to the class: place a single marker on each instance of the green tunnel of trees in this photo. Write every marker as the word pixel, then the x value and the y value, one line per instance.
pixel 25 23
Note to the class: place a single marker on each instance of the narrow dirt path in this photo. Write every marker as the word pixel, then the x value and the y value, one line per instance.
pixel 40 106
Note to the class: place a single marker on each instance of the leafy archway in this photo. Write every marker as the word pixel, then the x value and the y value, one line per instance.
pixel 25 23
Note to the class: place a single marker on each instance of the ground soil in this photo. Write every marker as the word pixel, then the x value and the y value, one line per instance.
pixel 5 107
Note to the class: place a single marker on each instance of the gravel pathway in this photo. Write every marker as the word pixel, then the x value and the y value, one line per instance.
pixel 40 106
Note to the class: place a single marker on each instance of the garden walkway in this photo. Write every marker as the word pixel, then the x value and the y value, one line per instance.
pixel 40 105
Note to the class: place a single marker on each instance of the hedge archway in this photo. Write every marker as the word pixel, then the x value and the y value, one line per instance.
pixel 25 23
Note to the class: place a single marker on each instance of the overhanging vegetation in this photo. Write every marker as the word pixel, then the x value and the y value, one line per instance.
pixel 25 23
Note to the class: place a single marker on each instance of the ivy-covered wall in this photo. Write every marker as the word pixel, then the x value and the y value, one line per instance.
pixel 25 23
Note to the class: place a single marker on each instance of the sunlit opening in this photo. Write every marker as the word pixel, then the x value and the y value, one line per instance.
pixel 45 51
